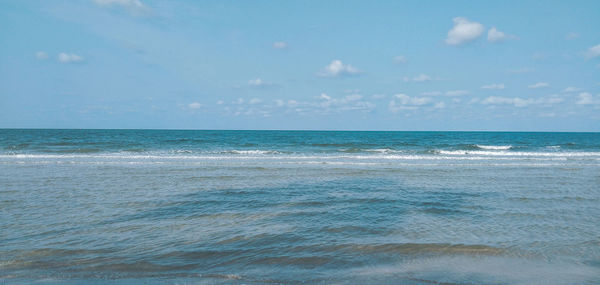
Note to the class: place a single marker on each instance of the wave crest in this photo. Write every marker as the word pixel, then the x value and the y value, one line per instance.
pixel 494 147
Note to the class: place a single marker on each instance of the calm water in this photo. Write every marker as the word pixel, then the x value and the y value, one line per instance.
pixel 254 207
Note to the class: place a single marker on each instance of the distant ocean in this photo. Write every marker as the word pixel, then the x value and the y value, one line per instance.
pixel 256 207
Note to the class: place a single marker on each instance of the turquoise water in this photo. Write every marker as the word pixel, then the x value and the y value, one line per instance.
pixel 254 207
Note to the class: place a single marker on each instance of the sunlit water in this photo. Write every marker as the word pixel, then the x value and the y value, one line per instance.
pixel 290 207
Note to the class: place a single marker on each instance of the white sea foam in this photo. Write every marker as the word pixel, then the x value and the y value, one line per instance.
pixel 249 155
pixel 519 153
pixel 382 150
pixel 256 151
pixel 494 147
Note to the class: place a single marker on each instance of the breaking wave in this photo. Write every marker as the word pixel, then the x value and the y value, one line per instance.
pixel 494 147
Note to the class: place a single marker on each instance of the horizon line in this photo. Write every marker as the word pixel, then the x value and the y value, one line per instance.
pixel 300 130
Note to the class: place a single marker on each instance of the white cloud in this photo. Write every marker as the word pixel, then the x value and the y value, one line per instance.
pixel 220 102
pixel 41 55
pixel 194 105
pixel 552 100
pixel 493 87
pixel 593 52
pixel 415 101
pixel 348 103
pixel 571 36
pixel 451 93
pixel 538 85
pixel 520 102
pixel 400 59
pixel 337 68
pixel 586 98
pixel 419 78
pixel 280 45
pixel 405 102
pixel 394 108
pixel 457 93
pixel 259 83
pixel 571 89
pixel 69 57
pixel 136 4
pixel 494 35
pixel 378 96
pixel 353 97
pixel 254 101
pixel 292 103
pixel 463 31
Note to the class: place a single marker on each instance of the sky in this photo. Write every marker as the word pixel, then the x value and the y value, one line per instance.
pixel 308 65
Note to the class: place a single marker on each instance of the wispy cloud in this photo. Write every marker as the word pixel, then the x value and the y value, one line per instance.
pixel 280 45
pixel 520 102
pixel 586 98
pixel 456 93
pixel 338 68
pixel 135 4
pixel 494 86
pixel 416 101
pixel 403 102
pixel 255 101
pixel 69 57
pixel 463 31
pixel 399 59
pixel 259 83
pixel 571 89
pixel 419 78
pixel 571 36
pixel 538 85
pixel 593 52
pixel 451 93
pixel 41 55
pixel 134 7
pixel 439 105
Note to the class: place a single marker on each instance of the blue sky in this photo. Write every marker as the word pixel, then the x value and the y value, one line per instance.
pixel 331 65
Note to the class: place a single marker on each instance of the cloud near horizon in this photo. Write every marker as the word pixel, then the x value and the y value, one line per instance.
pixel 419 78
pixel 69 57
pixel 137 4
pixel 520 102
pixel 538 85
pixel 259 83
pixel 493 87
pixel 338 68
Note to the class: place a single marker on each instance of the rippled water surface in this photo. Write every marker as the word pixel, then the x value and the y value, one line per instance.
pixel 254 207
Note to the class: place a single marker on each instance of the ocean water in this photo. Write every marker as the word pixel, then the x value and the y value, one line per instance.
pixel 288 207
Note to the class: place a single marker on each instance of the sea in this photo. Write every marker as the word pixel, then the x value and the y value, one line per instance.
pixel 298 207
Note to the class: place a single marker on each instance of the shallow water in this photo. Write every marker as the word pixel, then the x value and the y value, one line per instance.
pixel 290 207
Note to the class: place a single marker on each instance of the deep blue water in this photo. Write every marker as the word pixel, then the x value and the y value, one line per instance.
pixel 246 207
